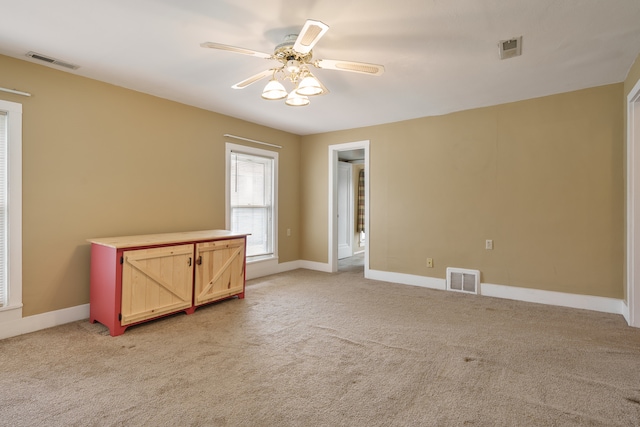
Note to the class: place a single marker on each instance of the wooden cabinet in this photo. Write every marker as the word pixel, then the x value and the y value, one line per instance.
pixel 139 278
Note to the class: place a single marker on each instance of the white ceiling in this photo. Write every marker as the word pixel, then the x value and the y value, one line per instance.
pixel 440 55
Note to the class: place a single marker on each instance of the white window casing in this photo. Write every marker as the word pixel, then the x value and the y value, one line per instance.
pixel 10 211
pixel 251 198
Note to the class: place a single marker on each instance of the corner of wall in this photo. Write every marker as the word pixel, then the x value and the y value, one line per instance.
pixel 633 76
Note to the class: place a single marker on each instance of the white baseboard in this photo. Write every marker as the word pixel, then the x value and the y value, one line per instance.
pixel 37 322
pixel 317 266
pixel 288 266
pixel 269 267
pixel 626 313
pixel 586 302
pixel 261 269
pixel 408 279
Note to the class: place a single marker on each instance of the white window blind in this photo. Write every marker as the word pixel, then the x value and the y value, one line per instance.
pixel 3 208
pixel 251 201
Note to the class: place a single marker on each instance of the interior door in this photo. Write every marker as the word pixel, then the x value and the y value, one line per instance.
pixel 219 270
pixel 345 210
pixel 156 281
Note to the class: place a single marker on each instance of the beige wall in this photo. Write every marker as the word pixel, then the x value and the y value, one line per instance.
pixel 100 160
pixel 543 178
pixel 632 78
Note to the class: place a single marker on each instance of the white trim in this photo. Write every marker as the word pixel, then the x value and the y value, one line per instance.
pixel 261 268
pixel 17 92
pixel 252 140
pixel 625 312
pixel 333 203
pixel 631 310
pixel 13 309
pixel 266 268
pixel 50 319
pixel 288 266
pixel 229 147
pixel 10 313
pixel 585 302
pixel 316 266
pixel 408 279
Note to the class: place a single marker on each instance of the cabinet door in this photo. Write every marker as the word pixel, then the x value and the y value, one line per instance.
pixel 219 270
pixel 156 281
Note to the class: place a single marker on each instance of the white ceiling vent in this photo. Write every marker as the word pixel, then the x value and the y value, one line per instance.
pixel 50 60
pixel 463 280
pixel 510 48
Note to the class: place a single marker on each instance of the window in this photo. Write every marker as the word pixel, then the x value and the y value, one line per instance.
pixel 251 198
pixel 10 208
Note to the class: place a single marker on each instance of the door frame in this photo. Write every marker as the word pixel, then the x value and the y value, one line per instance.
pixel 349 208
pixel 333 202
pixel 632 306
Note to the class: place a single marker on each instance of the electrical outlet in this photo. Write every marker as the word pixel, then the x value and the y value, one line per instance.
pixel 430 262
pixel 488 244
pixel 288 232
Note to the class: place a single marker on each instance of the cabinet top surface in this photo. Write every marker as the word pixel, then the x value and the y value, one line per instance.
pixel 164 238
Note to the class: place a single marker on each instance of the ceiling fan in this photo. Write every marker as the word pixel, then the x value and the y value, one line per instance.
pixel 295 57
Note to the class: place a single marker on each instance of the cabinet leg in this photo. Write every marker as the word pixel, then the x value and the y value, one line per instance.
pixel 117 330
pixel 114 329
pixel 241 295
pixel 190 310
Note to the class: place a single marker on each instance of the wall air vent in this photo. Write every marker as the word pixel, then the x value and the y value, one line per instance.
pixel 50 60
pixel 463 280
pixel 510 48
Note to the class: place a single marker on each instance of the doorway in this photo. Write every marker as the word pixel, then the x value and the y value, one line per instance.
pixel 355 153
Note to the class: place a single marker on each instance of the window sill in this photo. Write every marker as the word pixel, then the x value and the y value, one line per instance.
pixel 262 259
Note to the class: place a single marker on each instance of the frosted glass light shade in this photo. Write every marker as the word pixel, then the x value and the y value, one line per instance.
pixel 296 100
pixel 274 90
pixel 309 86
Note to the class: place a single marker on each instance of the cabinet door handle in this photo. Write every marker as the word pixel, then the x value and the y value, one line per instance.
pixel 189 261
pixel 199 261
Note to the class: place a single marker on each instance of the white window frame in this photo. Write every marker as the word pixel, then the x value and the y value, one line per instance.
pixel 12 311
pixel 231 147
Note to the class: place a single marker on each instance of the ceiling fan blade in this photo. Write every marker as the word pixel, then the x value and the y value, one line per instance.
pixel 246 82
pixel 355 67
pixel 309 35
pixel 235 49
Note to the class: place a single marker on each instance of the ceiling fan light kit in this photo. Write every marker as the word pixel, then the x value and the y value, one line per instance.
pixel 274 90
pixel 309 86
pixel 305 84
pixel 296 100
pixel 295 56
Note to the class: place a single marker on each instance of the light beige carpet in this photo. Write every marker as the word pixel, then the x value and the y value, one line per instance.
pixel 314 349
